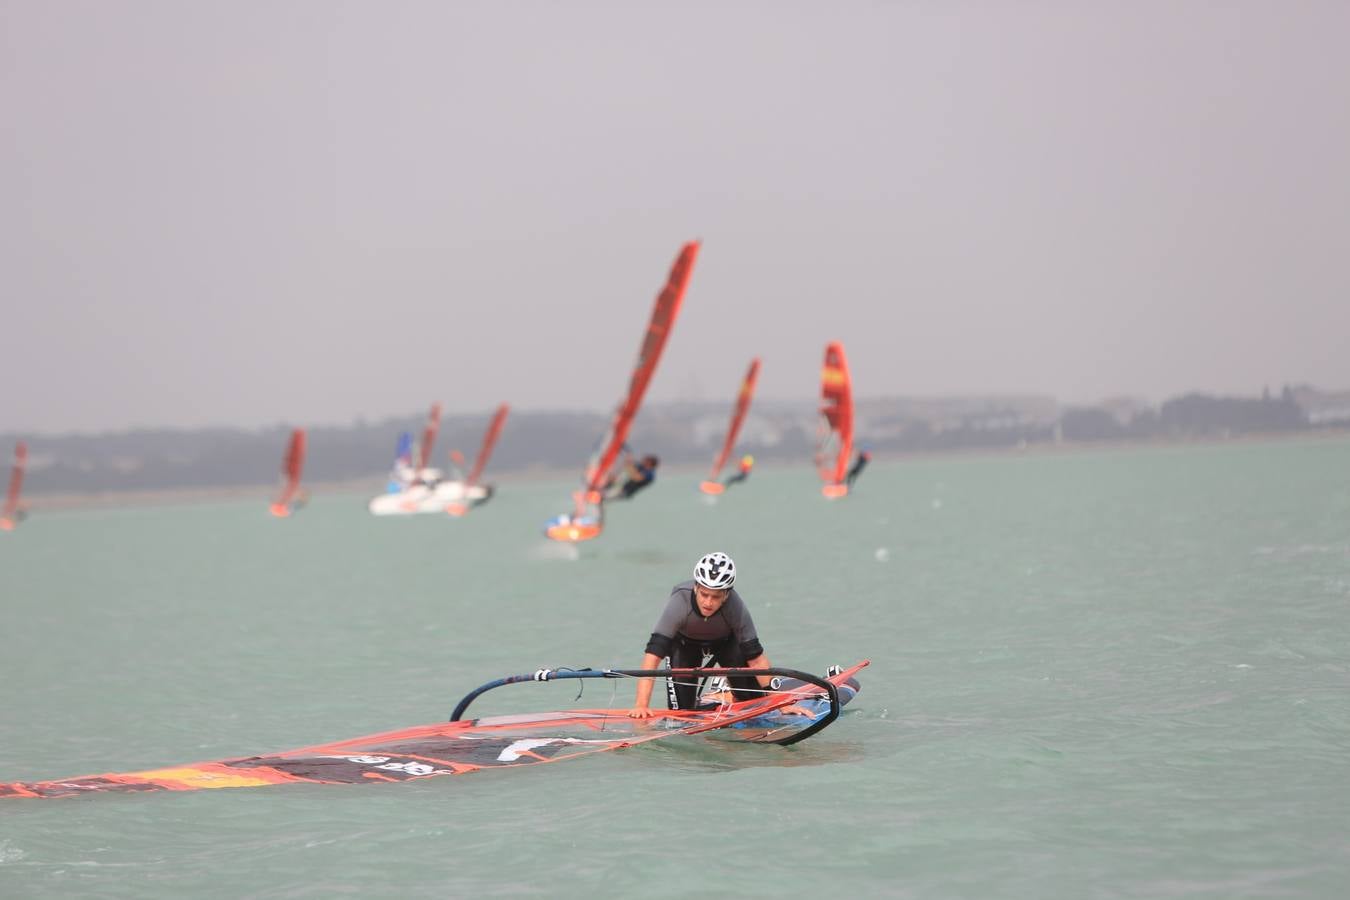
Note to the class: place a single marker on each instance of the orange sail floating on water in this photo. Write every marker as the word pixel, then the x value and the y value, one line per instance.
pixel 743 398
pixel 292 465
pixel 587 521
pixel 801 705
pixel 836 434
pixel 494 430
pixel 11 514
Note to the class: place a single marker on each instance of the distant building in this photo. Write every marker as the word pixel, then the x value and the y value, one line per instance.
pixel 1322 407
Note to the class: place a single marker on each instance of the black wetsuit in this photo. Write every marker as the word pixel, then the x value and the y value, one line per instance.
pixel 633 485
pixel 737 478
pixel 858 465
pixel 683 634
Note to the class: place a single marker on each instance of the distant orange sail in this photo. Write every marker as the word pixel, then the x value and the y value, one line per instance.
pixel 292 466
pixel 9 517
pixel 664 313
pixel 743 398
pixel 494 431
pixel 836 443
pixel 429 436
pixel 462 506
pixel 587 520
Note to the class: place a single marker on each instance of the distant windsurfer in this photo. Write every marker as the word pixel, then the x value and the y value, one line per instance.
pixel 864 457
pixel 704 617
pixel 638 474
pixel 742 473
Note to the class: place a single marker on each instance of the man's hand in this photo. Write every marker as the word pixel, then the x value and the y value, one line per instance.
pixel 795 710
pixel 640 712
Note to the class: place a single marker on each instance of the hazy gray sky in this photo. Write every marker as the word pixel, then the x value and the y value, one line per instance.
pixel 253 212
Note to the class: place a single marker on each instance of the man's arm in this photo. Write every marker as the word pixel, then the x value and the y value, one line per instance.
pixel 761 662
pixel 642 705
pixel 766 681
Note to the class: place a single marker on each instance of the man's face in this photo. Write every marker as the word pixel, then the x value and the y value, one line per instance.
pixel 709 601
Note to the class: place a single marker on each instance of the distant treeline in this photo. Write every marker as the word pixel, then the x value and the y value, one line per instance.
pixel 1191 415
pixel 684 433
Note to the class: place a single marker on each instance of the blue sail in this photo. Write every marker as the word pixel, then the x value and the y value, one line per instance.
pixel 402 462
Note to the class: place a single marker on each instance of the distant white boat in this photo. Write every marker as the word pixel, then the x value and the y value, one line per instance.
pixel 428 490
pixel 430 494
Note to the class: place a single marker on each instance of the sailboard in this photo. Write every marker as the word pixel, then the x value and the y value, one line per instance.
pixel 747 392
pixel 835 448
pixel 586 521
pixel 11 513
pixel 471 485
pixel 292 465
pixel 802 705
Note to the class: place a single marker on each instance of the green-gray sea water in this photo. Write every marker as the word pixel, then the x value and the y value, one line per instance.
pixel 1120 673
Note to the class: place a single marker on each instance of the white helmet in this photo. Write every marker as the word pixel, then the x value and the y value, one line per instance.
pixel 715 571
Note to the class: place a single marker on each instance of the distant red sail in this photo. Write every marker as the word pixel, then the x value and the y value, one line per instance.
pixel 292 466
pixel 836 446
pixel 429 436
pixel 9 517
pixel 494 431
pixel 663 317
pixel 743 399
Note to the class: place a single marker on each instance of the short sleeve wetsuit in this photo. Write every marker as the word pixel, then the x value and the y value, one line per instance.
pixel 686 636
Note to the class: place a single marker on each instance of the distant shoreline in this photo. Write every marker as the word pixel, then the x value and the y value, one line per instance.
pixel 373 485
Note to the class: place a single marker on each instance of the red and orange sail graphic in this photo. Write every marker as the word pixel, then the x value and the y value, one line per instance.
pixel 743 398
pixel 664 314
pixel 836 442
pixel 292 466
pixel 9 516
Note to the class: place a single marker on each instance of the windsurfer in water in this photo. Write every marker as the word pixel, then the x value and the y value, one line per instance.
pixel 747 463
pixel 864 457
pixel 704 617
